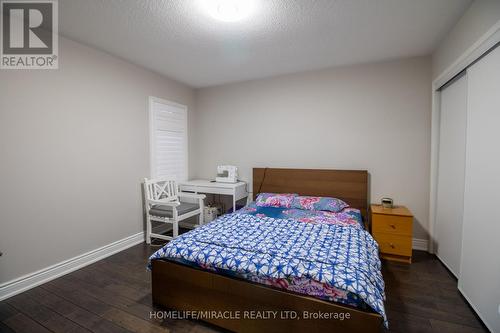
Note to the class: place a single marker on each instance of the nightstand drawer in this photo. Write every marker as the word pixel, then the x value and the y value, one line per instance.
pixel 394 244
pixel 392 224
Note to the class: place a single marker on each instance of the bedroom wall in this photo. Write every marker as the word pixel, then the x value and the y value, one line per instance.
pixel 375 117
pixel 74 148
pixel 476 21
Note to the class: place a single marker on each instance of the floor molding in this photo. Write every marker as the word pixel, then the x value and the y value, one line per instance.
pixel 420 244
pixel 37 278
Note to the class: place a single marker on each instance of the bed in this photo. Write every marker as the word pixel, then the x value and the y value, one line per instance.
pixel 203 273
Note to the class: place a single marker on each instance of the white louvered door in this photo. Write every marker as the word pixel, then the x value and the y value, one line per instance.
pixel 168 139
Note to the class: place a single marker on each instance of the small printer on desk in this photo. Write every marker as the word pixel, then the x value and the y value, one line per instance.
pixel 227 174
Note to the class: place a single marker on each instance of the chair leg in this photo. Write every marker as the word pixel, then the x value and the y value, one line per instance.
pixel 201 219
pixel 175 229
pixel 175 223
pixel 148 230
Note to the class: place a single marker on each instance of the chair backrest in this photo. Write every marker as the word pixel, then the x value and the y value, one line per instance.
pixel 163 188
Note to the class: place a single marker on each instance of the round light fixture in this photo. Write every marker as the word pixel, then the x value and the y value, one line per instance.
pixel 228 10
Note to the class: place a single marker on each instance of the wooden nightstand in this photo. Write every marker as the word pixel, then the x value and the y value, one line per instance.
pixel 392 229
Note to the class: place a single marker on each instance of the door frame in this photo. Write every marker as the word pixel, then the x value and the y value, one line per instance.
pixel 480 47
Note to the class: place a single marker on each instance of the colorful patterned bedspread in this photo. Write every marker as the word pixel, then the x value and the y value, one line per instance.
pixel 329 261
pixel 346 217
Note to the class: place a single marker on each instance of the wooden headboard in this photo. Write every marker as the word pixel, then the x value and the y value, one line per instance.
pixel 350 186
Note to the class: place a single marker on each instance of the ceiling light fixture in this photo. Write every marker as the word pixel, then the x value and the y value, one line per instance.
pixel 229 10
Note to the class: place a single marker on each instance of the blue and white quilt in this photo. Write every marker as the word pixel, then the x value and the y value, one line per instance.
pixel 340 256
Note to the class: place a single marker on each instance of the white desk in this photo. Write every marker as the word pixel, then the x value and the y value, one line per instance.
pixel 237 190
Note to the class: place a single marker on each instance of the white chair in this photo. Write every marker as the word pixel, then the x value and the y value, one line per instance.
pixel 164 203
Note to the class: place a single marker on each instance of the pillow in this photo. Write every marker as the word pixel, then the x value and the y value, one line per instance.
pixel 318 203
pixel 275 199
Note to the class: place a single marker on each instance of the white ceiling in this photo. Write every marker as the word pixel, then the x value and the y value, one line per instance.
pixel 178 39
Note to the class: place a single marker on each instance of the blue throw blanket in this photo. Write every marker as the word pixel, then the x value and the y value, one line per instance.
pixel 343 257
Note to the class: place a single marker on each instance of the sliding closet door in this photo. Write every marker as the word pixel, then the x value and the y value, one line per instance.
pixel 451 173
pixel 480 266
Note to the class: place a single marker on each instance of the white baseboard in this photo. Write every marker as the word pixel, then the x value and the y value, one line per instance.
pixel 31 280
pixel 37 278
pixel 420 244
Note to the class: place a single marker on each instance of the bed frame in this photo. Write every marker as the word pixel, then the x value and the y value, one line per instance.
pixel 183 288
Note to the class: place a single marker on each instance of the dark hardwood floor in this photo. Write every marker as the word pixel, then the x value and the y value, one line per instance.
pixel 114 295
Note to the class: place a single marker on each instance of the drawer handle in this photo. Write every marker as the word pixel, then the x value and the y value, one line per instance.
pixel 392 226
pixel 391 245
